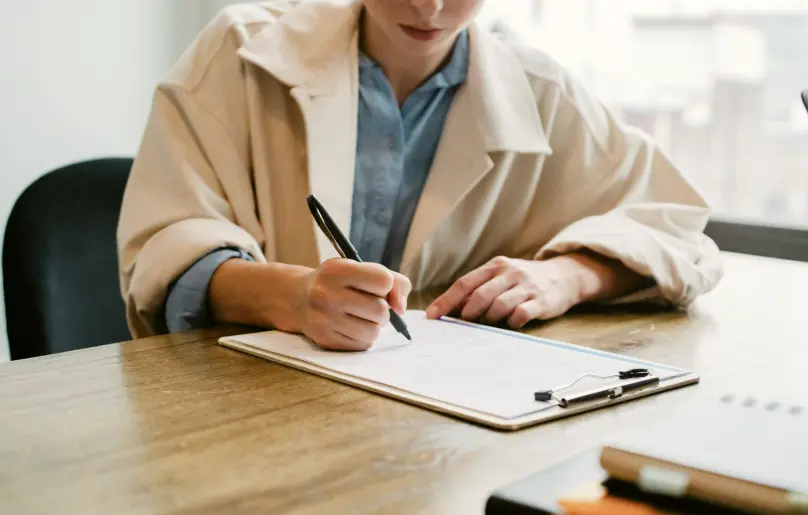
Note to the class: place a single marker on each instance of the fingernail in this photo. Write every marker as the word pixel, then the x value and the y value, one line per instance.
pixel 403 302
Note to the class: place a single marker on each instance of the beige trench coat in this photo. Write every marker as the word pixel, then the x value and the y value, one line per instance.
pixel 262 110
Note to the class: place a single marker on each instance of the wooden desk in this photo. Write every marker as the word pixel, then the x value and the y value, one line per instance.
pixel 178 424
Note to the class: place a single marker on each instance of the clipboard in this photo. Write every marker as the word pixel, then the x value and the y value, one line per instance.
pixel 431 372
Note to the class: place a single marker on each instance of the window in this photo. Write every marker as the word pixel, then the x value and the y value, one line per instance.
pixel 716 82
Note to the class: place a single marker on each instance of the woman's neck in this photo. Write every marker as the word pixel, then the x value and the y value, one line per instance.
pixel 404 72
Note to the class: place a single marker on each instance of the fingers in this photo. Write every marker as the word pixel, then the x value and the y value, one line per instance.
pixel 525 312
pixel 358 329
pixel 456 296
pixel 346 303
pixel 343 332
pixel 397 298
pixel 504 305
pixel 367 277
pixel 376 289
pixel 340 331
pixel 545 307
pixel 483 297
pixel 335 340
pixel 362 305
pixel 512 289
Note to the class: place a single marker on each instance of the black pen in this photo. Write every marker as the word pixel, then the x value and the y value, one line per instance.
pixel 346 250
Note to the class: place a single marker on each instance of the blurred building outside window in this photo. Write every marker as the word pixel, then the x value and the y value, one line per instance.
pixel 716 82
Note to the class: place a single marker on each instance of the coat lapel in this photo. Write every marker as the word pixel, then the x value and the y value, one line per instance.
pixel 495 111
pixel 313 49
pixel 331 127
pixel 459 163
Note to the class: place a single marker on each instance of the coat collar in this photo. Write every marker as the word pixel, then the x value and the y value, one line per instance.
pixel 310 46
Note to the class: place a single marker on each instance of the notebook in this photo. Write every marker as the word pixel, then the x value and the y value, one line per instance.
pixel 474 372
pixel 740 452
pixel 578 485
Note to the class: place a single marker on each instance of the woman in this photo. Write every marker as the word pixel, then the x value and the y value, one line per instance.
pixel 453 158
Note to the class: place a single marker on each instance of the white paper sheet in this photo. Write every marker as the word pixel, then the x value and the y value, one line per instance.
pixel 480 368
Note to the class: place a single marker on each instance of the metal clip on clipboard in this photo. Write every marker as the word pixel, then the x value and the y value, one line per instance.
pixel 613 392
pixel 642 375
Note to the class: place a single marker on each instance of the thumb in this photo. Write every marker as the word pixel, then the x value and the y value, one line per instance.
pixel 397 298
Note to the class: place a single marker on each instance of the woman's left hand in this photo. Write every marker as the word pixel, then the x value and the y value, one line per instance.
pixel 520 291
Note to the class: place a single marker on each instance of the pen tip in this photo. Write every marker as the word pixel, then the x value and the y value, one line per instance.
pixel 407 335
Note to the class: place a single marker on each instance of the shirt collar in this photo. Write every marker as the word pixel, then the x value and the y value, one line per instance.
pixel 452 74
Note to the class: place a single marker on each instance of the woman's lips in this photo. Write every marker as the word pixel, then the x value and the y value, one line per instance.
pixel 422 34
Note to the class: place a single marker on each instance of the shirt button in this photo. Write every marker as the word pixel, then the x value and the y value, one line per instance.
pixel 383 216
pixel 391 143
pixel 379 183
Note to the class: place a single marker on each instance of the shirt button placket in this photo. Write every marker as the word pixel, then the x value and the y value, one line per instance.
pixel 383 216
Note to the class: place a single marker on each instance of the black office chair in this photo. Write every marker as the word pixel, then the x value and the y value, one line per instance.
pixel 60 266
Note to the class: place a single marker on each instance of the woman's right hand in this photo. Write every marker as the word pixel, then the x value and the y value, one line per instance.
pixel 343 304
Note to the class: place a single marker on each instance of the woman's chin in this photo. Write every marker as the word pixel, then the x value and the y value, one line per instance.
pixel 421 48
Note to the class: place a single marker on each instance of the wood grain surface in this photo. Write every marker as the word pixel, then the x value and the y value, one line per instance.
pixel 178 424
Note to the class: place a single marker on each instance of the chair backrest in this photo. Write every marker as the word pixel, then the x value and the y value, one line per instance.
pixel 60 265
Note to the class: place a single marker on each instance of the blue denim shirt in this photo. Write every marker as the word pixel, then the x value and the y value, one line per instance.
pixel 395 149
